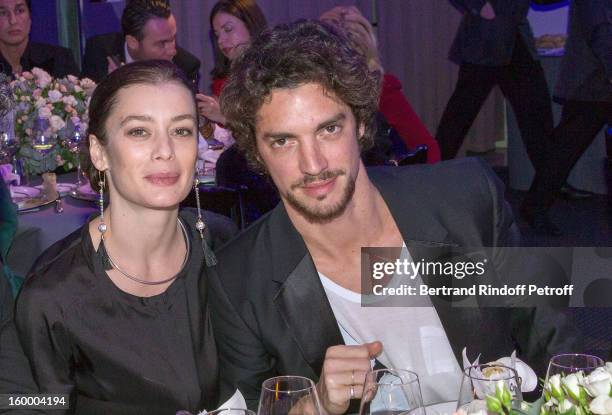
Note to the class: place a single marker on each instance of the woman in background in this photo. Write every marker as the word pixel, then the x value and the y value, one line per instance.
pixel 111 315
pixel 393 105
pixel 235 23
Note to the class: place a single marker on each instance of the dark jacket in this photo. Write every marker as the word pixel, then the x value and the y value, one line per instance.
pixel 586 71
pixel 270 312
pixel 56 60
pixel 97 48
pixel 491 42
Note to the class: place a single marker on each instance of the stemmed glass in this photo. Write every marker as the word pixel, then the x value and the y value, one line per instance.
pixel 564 364
pixel 74 145
pixel 391 391
pixel 43 142
pixel 283 395
pixel 8 146
pixel 480 381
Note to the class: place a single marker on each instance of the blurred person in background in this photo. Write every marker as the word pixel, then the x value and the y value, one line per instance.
pixel 19 54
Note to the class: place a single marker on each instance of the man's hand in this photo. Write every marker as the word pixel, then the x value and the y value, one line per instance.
pixel 487 12
pixel 343 375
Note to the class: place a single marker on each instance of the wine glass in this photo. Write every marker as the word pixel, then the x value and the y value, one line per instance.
pixel 391 392
pixel 74 145
pixel 43 141
pixel 564 364
pixel 283 395
pixel 488 380
pixel 231 411
pixel 8 146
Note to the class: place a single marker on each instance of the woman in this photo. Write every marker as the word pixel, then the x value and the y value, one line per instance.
pixel 235 23
pixel 393 105
pixel 111 315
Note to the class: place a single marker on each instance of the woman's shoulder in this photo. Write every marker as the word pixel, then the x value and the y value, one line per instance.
pixel 63 272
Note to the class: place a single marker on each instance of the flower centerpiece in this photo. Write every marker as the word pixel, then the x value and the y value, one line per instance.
pixel 54 108
pixel 571 394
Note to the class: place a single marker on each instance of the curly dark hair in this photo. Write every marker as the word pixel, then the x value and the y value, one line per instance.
pixel 251 15
pixel 289 56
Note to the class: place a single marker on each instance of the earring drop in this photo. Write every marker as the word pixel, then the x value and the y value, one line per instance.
pixel 101 183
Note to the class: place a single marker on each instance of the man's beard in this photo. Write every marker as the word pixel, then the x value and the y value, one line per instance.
pixel 329 213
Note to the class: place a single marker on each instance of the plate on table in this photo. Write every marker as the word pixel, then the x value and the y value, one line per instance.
pixel 206 178
pixel 85 192
pixel 28 198
pixel 62 188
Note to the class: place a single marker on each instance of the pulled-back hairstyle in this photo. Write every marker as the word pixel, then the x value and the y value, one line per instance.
pixel 290 56
pixel 138 12
pixel 249 13
pixel 104 98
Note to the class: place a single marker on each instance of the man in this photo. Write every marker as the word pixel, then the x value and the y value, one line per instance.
pixel 18 54
pixel 301 104
pixel 584 88
pixel 494 45
pixel 149 32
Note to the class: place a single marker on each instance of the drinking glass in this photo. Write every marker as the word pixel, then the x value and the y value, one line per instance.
pixel 479 381
pixel 43 141
pixel 283 395
pixel 391 392
pixel 8 147
pixel 564 364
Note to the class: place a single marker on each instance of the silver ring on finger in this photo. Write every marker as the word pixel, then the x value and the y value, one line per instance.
pixel 352 392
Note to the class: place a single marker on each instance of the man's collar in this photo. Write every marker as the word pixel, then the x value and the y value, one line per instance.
pixel 126 52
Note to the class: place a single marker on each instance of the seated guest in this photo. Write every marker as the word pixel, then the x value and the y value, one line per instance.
pixel 235 23
pixel 111 315
pixel 19 54
pixel 393 105
pixel 148 32
pixel 285 293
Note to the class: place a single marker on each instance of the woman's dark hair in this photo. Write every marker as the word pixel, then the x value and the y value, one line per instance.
pixel 138 12
pixel 289 56
pixel 104 98
pixel 246 10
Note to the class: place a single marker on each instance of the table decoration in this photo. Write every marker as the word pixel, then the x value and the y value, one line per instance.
pixel 574 392
pixel 48 111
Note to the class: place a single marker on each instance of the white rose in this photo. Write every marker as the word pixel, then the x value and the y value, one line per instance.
pixel 598 382
pixel 56 123
pixel 42 78
pixel 70 100
pixel 602 405
pixel 55 95
pixel 609 367
pixel 77 88
pixel 44 112
pixel 565 406
pixel 554 387
pixel 572 386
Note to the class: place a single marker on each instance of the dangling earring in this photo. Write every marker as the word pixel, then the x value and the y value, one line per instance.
pixel 199 222
pixel 209 256
pixel 101 183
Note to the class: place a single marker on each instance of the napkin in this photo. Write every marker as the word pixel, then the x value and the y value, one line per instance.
pixel 529 379
pixel 6 171
pixel 235 402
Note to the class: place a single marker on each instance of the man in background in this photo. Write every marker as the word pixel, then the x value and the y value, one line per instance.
pixel 19 54
pixel 584 88
pixel 148 32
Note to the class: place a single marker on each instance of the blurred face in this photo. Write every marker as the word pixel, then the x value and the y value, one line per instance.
pixel 307 140
pixel 151 149
pixel 158 42
pixel 231 33
pixel 15 22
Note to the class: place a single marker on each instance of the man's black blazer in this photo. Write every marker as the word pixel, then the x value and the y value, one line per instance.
pixel 56 60
pixel 97 48
pixel 270 312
